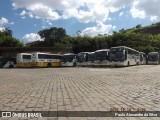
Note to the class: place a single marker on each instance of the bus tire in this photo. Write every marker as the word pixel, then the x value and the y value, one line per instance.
pixel 49 65
pixel 11 66
pixel 128 64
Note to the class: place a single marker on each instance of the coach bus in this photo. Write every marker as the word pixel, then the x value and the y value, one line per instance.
pixel 91 57
pixel 40 59
pixel 7 62
pixel 68 60
pixel 123 56
pixel 23 60
pixel 101 57
pixel 153 58
pixel 142 58
pixel 82 58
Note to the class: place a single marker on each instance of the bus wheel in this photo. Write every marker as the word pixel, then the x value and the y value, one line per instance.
pixel 74 64
pixel 128 64
pixel 49 65
pixel 11 66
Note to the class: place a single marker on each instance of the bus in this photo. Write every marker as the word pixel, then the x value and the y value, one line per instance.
pixel 82 58
pixel 40 59
pixel 153 58
pixel 123 56
pixel 68 60
pixel 142 58
pixel 7 62
pixel 91 57
pixel 23 60
pixel 101 57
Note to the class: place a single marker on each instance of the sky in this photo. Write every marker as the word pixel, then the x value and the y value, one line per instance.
pixel 92 17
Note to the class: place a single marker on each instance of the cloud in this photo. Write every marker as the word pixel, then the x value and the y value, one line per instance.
pixel 32 37
pixel 2 28
pixel 146 8
pixel 136 13
pixel 83 10
pixel 23 13
pixel 100 28
pixel 3 21
pixel 121 13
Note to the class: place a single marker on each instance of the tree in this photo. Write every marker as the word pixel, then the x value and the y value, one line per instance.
pixel 6 40
pixel 139 26
pixel 78 33
pixel 7 31
pixel 52 35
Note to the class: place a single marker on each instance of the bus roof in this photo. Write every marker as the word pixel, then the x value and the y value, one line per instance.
pixel 83 52
pixel 102 50
pixel 91 52
pixel 125 47
pixel 24 54
pixel 69 54
pixel 153 53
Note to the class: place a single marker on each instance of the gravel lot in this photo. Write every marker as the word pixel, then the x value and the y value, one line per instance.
pixel 81 89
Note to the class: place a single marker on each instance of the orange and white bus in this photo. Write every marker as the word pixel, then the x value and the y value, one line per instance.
pixel 23 60
pixel 40 59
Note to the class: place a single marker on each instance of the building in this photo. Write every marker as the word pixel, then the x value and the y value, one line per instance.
pixel 12 51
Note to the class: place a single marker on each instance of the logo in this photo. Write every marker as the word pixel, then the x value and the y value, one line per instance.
pixel 6 114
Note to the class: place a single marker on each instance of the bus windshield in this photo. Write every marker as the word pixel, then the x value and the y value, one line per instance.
pixel 101 55
pixel 26 57
pixel 68 58
pixel 153 57
pixel 81 57
pixel 91 57
pixel 116 54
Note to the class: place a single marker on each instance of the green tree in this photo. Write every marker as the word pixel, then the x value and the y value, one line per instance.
pixel 7 31
pixel 52 35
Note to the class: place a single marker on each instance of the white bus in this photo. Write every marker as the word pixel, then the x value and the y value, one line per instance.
pixel 40 59
pixel 68 60
pixel 23 60
pixel 101 57
pixel 142 58
pixel 123 56
pixel 82 58
pixel 91 57
pixel 153 58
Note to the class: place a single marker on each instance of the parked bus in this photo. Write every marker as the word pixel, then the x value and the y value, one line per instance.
pixel 101 57
pixel 7 62
pixel 142 58
pixel 40 59
pixel 69 60
pixel 91 57
pixel 23 60
pixel 82 58
pixel 123 56
pixel 153 58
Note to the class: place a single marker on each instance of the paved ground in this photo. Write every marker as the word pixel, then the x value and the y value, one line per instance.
pixel 81 89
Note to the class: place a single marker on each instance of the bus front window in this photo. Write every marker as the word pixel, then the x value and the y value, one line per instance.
pixel 90 57
pixel 102 55
pixel 81 58
pixel 67 58
pixel 116 54
pixel 153 57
